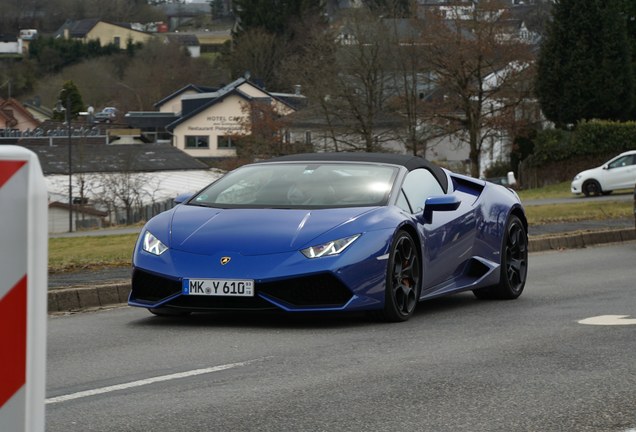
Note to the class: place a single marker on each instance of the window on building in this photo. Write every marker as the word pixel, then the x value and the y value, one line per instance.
pixel 194 141
pixel 117 41
pixel 225 142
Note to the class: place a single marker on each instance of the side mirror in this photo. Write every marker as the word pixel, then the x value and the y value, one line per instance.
pixel 182 198
pixel 439 203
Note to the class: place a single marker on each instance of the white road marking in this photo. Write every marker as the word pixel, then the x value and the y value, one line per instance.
pixel 143 382
pixel 609 320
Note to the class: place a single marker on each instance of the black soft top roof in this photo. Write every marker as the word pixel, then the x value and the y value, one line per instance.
pixel 407 161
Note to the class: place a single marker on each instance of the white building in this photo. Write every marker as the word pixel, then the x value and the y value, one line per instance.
pixel 207 121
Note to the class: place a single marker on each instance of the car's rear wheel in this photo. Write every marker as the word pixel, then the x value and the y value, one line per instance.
pixel 592 187
pixel 514 264
pixel 403 279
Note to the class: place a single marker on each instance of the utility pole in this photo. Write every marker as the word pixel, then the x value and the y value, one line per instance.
pixel 67 117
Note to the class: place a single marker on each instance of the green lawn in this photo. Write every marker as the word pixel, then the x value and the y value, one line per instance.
pixel 579 210
pixel 559 190
pixel 76 253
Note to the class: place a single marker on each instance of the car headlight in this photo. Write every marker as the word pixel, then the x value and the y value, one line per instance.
pixel 330 248
pixel 153 245
pixel 577 177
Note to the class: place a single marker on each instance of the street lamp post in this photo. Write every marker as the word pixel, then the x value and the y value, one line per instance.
pixel 67 117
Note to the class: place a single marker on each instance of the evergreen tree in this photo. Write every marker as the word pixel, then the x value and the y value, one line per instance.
pixel 391 8
pixel 268 32
pixel 629 9
pixel 584 67
pixel 275 16
pixel 70 97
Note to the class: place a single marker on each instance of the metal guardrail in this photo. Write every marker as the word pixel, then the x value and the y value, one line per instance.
pixel 81 131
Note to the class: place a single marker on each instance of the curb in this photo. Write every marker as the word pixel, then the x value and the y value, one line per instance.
pixel 579 239
pixel 76 299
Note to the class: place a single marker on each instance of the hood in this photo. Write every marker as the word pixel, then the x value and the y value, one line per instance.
pixel 592 172
pixel 202 230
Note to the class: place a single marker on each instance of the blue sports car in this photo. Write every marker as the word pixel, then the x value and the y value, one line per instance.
pixel 332 232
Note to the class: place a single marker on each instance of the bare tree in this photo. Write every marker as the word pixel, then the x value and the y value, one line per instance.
pixel 124 192
pixel 262 130
pixel 170 68
pixel 258 52
pixel 480 72
pixel 364 81
pixel 313 66
pixel 361 89
pixel 411 84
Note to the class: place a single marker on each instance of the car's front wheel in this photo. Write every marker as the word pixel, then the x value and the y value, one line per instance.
pixel 592 187
pixel 514 264
pixel 403 279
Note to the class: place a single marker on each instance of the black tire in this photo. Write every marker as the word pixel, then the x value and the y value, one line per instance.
pixel 168 312
pixel 592 188
pixel 403 279
pixel 514 264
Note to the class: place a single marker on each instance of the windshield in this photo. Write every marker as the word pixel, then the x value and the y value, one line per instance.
pixel 300 185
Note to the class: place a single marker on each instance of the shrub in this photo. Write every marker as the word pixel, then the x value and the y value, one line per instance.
pixel 590 139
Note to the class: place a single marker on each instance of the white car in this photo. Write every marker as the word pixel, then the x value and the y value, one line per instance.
pixel 617 173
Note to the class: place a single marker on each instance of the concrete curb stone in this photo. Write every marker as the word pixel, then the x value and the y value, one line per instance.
pixel 76 299
pixel 577 240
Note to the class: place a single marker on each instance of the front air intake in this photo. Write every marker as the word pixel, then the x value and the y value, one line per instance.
pixel 322 290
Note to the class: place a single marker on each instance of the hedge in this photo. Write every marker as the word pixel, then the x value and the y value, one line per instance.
pixel 559 154
pixel 589 139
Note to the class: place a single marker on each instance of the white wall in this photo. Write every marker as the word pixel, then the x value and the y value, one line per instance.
pixel 11 47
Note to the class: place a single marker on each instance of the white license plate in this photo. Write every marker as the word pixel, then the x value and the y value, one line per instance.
pixel 219 287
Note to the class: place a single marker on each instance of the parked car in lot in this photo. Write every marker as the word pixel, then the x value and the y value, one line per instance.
pixel 617 173
pixel 106 115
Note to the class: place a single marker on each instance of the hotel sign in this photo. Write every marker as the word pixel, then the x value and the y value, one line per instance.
pixel 221 124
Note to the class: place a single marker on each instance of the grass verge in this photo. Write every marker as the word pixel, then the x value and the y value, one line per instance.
pixel 77 253
pixel 559 190
pixel 578 211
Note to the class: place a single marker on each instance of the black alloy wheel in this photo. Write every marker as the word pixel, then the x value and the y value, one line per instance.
pixel 514 264
pixel 403 279
pixel 592 188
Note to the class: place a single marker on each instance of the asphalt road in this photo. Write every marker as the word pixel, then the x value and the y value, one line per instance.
pixel 459 364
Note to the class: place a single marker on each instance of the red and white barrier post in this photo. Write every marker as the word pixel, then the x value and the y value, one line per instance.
pixel 23 290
